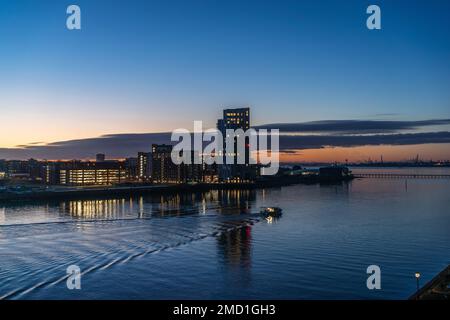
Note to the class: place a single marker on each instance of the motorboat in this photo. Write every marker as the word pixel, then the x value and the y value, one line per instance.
pixel 273 212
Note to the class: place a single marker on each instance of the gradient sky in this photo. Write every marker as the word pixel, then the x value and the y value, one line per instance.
pixel 153 66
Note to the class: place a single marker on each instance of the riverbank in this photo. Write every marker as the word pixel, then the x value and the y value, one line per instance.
pixel 62 192
pixel 437 289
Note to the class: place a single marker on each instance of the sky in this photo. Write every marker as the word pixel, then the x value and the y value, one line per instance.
pixel 154 66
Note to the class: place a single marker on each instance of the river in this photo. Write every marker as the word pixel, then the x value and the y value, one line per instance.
pixel 214 245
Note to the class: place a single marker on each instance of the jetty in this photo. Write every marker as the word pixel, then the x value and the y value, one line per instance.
pixel 382 175
pixel 436 289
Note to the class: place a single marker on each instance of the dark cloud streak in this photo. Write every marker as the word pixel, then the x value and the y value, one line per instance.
pixel 315 142
pixel 127 145
pixel 335 133
pixel 354 126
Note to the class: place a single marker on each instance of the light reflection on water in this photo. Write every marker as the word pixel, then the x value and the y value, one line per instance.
pixel 214 244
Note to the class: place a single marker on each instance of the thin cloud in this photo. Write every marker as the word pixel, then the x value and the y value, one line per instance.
pixel 354 126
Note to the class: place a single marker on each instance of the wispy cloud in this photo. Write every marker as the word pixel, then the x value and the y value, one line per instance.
pixel 354 126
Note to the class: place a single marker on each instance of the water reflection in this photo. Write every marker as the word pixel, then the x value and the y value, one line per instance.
pixel 341 188
pixel 324 228
pixel 229 200
pixel 2 215
pixel 200 203
pixel 235 246
pixel 96 209
pixel 235 253
pixel 177 204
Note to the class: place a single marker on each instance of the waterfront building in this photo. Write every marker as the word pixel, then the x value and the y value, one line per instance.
pixel 17 167
pixel 234 119
pixel 35 169
pixel 29 170
pixel 238 118
pixel 144 164
pixel 51 173
pixel 193 172
pixel 163 169
pixel 3 169
pixel 78 173
pixel 131 166
pixel 334 172
pixel 210 173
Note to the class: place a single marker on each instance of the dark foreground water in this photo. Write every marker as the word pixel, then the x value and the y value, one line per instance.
pixel 213 245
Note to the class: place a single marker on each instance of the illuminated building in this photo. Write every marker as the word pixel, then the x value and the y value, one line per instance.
pixel 163 169
pixel 77 173
pixel 17 167
pixel 193 172
pixel 29 170
pixel 210 173
pixel 131 166
pixel 144 165
pixel 3 169
pixel 234 119
pixel 51 173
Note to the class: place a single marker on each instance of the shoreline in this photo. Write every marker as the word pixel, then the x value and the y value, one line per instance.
pixel 87 192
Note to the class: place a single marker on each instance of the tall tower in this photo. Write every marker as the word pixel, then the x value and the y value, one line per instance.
pixel 234 119
pixel 238 118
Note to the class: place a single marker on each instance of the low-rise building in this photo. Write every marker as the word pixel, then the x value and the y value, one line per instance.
pixel 78 173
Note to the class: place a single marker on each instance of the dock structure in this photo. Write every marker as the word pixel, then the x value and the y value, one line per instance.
pixel 436 289
pixel 401 176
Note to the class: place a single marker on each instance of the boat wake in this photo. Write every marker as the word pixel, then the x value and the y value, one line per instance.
pixel 38 254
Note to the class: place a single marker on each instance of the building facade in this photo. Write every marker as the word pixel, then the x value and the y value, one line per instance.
pixel 78 173
pixel 234 119
pixel 131 166
pixel 144 163
pixel 163 169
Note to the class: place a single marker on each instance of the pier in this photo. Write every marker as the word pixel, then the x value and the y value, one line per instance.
pixel 401 176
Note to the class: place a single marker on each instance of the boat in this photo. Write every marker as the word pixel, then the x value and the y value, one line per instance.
pixel 273 212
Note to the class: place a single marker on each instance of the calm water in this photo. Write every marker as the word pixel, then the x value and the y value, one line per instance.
pixel 213 245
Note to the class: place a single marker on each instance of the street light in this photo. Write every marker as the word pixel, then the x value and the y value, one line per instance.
pixel 417 275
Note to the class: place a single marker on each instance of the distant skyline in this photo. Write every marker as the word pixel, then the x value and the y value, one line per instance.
pixel 154 66
pixel 318 141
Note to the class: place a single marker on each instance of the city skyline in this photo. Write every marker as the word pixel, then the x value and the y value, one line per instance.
pixel 224 158
pixel 318 141
pixel 150 67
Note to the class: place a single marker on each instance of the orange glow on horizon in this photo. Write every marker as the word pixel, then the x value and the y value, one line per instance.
pixel 426 152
